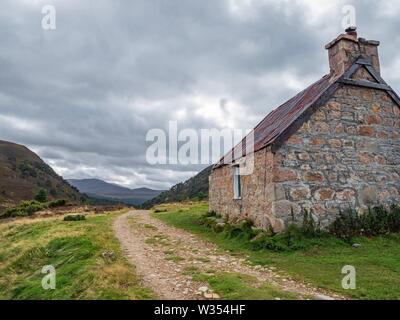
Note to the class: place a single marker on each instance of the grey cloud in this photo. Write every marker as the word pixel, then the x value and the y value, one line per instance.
pixel 85 95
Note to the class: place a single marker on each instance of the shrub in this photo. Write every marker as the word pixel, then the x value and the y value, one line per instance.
pixel 57 203
pixel 376 221
pixel 394 218
pixel 13 212
pixel 309 227
pixel 349 224
pixel 27 170
pixel 201 196
pixel 41 196
pixel 243 230
pixel 26 208
pixel 76 217
pixel 32 209
pixel 295 237
pixel 210 214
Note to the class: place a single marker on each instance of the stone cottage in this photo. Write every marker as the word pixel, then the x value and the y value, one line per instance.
pixel 334 145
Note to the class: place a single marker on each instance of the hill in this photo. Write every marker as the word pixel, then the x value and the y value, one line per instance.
pixel 23 174
pixel 100 189
pixel 195 187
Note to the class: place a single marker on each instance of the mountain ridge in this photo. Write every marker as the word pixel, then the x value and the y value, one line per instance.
pixel 195 187
pixel 23 173
pixel 100 189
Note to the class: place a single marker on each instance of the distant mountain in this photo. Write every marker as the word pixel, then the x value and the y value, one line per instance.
pixel 23 174
pixel 100 189
pixel 195 187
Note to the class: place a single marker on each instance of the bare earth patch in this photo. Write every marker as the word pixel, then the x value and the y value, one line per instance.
pixel 167 258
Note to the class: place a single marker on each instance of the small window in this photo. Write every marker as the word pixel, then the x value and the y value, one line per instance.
pixel 237 185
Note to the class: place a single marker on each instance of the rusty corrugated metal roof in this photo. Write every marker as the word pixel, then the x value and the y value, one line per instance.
pixel 280 120
pixel 276 122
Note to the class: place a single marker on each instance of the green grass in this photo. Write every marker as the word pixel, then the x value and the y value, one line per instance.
pixel 203 259
pixel 190 271
pixel 235 286
pixel 320 264
pixel 174 258
pixel 151 227
pixel 158 240
pixel 76 250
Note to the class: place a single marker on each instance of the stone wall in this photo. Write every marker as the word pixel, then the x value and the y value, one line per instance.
pixel 347 48
pixel 347 154
pixel 257 192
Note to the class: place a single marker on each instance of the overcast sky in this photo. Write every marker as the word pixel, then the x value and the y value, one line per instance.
pixel 84 95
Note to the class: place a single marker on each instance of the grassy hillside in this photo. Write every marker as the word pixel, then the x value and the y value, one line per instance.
pixel 195 187
pixel 23 174
pixel 85 254
pixel 376 260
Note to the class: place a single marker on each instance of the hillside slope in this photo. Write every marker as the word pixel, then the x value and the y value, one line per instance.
pixel 190 189
pixel 23 174
pixel 99 189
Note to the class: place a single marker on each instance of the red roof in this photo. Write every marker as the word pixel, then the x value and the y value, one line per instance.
pixel 275 123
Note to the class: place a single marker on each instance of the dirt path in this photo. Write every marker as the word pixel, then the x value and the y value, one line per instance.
pixel 162 254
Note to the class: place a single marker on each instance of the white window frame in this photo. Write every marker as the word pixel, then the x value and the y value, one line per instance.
pixel 237 183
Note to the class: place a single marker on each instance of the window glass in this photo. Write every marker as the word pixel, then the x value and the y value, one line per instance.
pixel 237 187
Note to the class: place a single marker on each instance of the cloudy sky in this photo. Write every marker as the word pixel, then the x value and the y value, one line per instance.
pixel 85 95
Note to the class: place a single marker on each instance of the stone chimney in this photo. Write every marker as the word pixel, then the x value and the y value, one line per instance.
pixel 346 48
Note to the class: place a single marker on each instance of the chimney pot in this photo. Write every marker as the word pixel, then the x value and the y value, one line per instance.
pixel 347 48
pixel 351 31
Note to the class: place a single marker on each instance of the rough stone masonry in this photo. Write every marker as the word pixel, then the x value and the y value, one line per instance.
pixel 342 150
